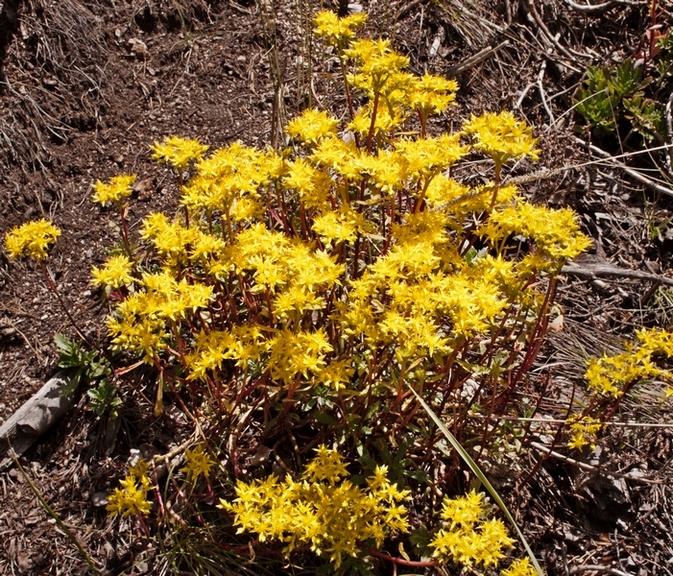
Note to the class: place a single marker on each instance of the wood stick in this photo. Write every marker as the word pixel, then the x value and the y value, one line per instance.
pixel 29 423
pixel 594 271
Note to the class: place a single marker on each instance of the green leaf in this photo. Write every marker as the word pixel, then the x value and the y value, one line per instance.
pixel 418 475
pixel 72 384
pixel 324 418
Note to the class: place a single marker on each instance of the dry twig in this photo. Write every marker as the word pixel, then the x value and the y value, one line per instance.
pixel 630 171
pixel 593 271
pixel 475 59
pixel 588 467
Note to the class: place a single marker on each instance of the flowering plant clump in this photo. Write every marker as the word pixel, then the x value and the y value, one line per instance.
pixel 322 509
pixel 610 378
pixel 314 286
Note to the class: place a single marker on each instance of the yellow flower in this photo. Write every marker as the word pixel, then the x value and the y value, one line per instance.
pixel 520 568
pixel 465 511
pixel 583 432
pixel 31 239
pixel 323 509
pixel 116 272
pixel 433 94
pixel 377 64
pixel 502 136
pixel 198 462
pixel 116 190
pixel 130 499
pixel 178 152
pixel 312 125
pixel 342 226
pixel 467 538
pixel 337 31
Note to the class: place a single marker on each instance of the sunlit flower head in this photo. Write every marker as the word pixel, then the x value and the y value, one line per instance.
pixel 520 568
pixel 130 499
pixel 198 462
pixel 178 152
pixel 116 272
pixel 118 188
pixel 31 239
pixel 337 31
pixel 502 136
pixel 312 125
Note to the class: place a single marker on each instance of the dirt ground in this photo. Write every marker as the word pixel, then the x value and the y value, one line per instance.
pixel 87 86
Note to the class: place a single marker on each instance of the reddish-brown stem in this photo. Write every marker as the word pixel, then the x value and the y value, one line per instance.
pixel 184 497
pixel 125 229
pixel 538 332
pixel 287 402
pixel 143 524
pixel 422 118
pixel 157 492
pixel 395 560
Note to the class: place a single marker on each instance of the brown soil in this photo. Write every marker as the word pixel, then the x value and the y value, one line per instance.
pixel 87 86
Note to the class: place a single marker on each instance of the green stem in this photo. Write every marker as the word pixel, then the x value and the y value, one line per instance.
pixel 372 124
pixel 56 517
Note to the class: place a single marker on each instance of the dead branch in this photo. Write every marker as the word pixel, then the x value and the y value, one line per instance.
pixel 477 58
pixel 33 419
pixel 597 8
pixel 630 171
pixel 588 467
pixel 593 271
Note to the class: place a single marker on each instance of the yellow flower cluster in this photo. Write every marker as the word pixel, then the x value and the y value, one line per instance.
pixel 583 432
pixel 502 136
pixel 520 568
pixel 118 188
pixel 131 498
pixel 337 31
pixel 142 322
pixel 614 375
pixel 466 537
pixel 115 273
pixel 198 462
pixel 312 125
pixel 555 234
pixel 31 239
pixel 178 152
pixel 323 509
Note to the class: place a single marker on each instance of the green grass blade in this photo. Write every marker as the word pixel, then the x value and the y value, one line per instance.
pixel 56 517
pixel 479 474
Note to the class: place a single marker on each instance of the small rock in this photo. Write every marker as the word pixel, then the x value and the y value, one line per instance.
pixel 99 499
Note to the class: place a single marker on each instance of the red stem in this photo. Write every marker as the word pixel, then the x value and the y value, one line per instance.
pixel 399 561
